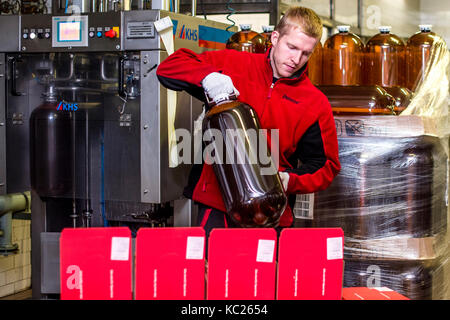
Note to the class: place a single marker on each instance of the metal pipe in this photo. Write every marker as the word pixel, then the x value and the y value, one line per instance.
pixel 332 9
pixel 6 245
pixel 74 215
pixel 71 70
pixel 360 10
pixel 194 8
pixel 14 202
pixel 10 203
pixel 103 71
pixel 94 6
pixel 88 210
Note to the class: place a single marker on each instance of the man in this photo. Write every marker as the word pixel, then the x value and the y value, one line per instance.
pixel 276 86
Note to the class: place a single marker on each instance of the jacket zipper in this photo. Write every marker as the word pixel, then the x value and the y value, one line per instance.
pixel 270 90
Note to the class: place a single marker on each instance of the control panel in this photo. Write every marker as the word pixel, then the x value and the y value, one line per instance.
pixel 85 32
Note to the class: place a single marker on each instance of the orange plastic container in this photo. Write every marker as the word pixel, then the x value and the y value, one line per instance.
pixel 385 59
pixel 315 65
pixel 343 59
pixel 359 100
pixel 247 40
pixel 402 97
pixel 418 49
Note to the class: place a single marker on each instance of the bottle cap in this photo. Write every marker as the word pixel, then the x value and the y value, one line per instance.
pixel 343 29
pixel 385 29
pixel 268 28
pixel 245 27
pixel 425 27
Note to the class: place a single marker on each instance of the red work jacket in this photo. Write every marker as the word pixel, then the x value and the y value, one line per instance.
pixel 307 135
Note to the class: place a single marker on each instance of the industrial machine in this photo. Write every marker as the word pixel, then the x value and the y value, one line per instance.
pixel 84 123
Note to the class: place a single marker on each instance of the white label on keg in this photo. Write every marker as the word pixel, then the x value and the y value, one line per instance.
pixel 120 248
pixel 194 248
pixel 265 252
pixel 334 248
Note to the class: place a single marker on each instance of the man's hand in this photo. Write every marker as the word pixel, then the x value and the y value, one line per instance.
pixel 284 177
pixel 218 86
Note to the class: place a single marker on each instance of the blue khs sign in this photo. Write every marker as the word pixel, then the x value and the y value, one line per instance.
pixel 188 34
pixel 62 106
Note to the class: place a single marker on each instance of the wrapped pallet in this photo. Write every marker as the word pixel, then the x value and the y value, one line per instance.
pixel 391 196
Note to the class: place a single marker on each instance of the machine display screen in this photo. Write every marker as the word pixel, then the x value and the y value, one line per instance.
pixel 69 31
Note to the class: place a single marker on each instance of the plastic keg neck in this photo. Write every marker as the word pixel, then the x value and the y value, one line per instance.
pixel 343 29
pixel 385 29
pixel 268 28
pixel 245 27
pixel 222 98
pixel 425 27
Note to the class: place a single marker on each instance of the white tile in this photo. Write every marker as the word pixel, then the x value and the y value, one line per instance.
pixel 2 278
pixel 6 263
pixel 21 285
pixel 11 276
pixel 7 290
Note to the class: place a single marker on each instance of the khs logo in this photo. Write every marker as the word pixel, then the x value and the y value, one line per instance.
pixel 62 106
pixel 188 34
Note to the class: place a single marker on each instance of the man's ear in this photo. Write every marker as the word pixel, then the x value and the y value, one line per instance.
pixel 274 37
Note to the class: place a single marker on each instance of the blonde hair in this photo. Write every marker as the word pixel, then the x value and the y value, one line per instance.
pixel 304 18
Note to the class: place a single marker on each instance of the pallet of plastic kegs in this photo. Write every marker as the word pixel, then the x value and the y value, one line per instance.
pixel 391 196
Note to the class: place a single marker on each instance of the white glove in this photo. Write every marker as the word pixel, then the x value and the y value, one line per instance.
pixel 284 177
pixel 218 86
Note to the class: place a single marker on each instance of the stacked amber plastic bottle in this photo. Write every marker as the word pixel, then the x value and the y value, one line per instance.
pixel 315 65
pixel 343 78
pixel 247 40
pixel 418 50
pixel 267 33
pixel 385 59
pixel 343 59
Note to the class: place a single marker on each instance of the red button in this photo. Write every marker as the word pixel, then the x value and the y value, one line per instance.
pixel 110 33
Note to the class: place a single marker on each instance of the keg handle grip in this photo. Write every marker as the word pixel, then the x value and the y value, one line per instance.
pixel 13 78
pixel 221 98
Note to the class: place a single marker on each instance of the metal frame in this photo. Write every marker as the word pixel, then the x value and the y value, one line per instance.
pixel 151 184
pixel 2 125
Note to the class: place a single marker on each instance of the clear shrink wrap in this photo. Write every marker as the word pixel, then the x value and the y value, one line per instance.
pixel 430 100
pixel 391 196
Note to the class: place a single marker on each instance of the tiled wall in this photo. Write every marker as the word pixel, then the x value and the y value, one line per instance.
pixel 15 269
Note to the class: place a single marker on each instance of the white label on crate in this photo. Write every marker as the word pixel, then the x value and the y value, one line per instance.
pixel 194 248
pixel 334 248
pixel 120 248
pixel 265 251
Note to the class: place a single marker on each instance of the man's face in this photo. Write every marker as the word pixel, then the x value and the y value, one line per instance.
pixel 290 52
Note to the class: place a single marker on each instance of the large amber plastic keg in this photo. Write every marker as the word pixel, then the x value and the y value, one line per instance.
pixel 315 65
pixel 385 59
pixel 252 191
pixel 343 59
pixel 247 40
pixel 418 49
pixel 359 100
